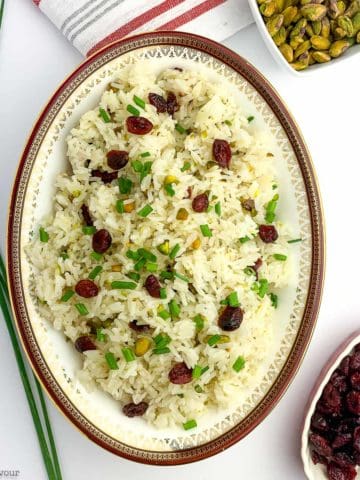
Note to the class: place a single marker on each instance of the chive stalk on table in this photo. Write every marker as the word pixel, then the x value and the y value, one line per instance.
pixel 46 440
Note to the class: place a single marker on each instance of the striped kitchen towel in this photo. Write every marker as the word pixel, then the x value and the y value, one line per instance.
pixel 91 24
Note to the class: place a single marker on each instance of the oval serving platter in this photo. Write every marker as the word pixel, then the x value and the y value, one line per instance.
pixel 55 361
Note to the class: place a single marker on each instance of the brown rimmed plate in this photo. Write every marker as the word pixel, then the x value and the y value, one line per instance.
pixel 55 361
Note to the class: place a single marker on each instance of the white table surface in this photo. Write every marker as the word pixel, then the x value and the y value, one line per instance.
pixel 34 59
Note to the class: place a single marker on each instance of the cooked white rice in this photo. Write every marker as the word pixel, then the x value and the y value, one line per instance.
pixel 215 269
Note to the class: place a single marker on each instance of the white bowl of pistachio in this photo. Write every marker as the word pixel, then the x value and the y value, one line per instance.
pixel 304 35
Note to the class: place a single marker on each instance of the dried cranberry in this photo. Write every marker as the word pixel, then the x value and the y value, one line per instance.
pixel 320 444
pixel 356 439
pixel 248 204
pixel 268 233
pixel 230 318
pixel 343 459
pixel 257 265
pixel 138 125
pixel 117 159
pixel 341 440
pixel 86 215
pixel 86 288
pixel 355 380
pixel 319 422
pixel 84 343
pixel 331 399
pixel 338 380
pixel 345 365
pixel 101 241
pixel 189 192
pixel 355 361
pixel 222 153
pixel 135 409
pixel 353 402
pixel 106 177
pixel 180 374
pixel 138 328
pixel 316 458
pixel 152 285
pixel 172 105
pixel 158 101
pixel 335 472
pixel 200 203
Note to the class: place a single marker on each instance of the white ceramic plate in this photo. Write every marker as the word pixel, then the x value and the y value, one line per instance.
pixel 55 361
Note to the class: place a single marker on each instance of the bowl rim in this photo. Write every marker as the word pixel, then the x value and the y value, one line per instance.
pixel 314 293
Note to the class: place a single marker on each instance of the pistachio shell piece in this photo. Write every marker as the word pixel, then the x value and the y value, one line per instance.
pixel 313 11
pixel 320 43
pixel 287 52
pixel 289 15
pixel 345 23
pixel 338 48
pixel 321 57
pixel 280 37
pixel 274 24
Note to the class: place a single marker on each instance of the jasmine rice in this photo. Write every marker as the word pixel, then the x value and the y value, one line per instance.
pixel 163 259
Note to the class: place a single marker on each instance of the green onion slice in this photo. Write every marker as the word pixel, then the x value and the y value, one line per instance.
pixel 139 102
pixel 123 285
pixel 133 276
pixel 218 209
pixel 199 322
pixel 104 115
pixel 134 111
pixel 182 277
pixel 146 254
pixel 239 364
pixel 295 240
pixel 128 354
pixel 89 230
pixel 67 295
pixel 169 189
pixel 161 351
pixel 233 300
pixel 145 211
pixel 111 361
pixel 95 272
pixel 100 336
pixel 174 251
pixel 213 340
pixel 145 154
pixel 280 257
pixel 205 230
pixel 44 236
pixel 164 314
pixel 186 166
pixel 81 308
pixel 244 239
pixel 125 185
pixel 274 299
pixel 174 308
pixel 189 424
pixel 96 256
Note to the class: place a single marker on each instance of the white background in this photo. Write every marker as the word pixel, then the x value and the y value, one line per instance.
pixel 34 59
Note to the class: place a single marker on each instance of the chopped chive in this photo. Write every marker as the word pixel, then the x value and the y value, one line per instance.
pixel 174 308
pixel 145 154
pixel 198 389
pixel 146 170
pixel 134 111
pixel 95 272
pixel 139 102
pixel 296 240
pixel 146 254
pixel 145 211
pixel 186 166
pixel 199 322
pixel 104 115
pixel 263 287
pixel 44 236
pixel 123 285
pixel 64 255
pixel 280 257
pixel 244 239
pixel 125 185
pixel 137 166
pixel 96 256
pixel 140 264
pixel 166 275
pixel 213 340
pixel 233 300
pixel 163 293
pixel 249 271
pixel 274 300
pixel 161 351
pixel 180 128
pixel 133 255
pixel 111 361
pixel 133 276
pixel 81 308
pixel 174 251
pixel 189 424
pixel 205 230
pixel 161 340
pixel 120 206
pixel 100 336
pixel 89 230
pixel 196 373
pixel 164 314
pixel 204 369
pixel 270 209
pixel 182 277
pixel 169 189
pixel 151 267
pixel 128 354
pixel 239 364
pixel 250 119
pixel 218 209
pixel 67 295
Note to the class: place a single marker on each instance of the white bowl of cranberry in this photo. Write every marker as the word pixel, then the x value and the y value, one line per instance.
pixel 331 435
